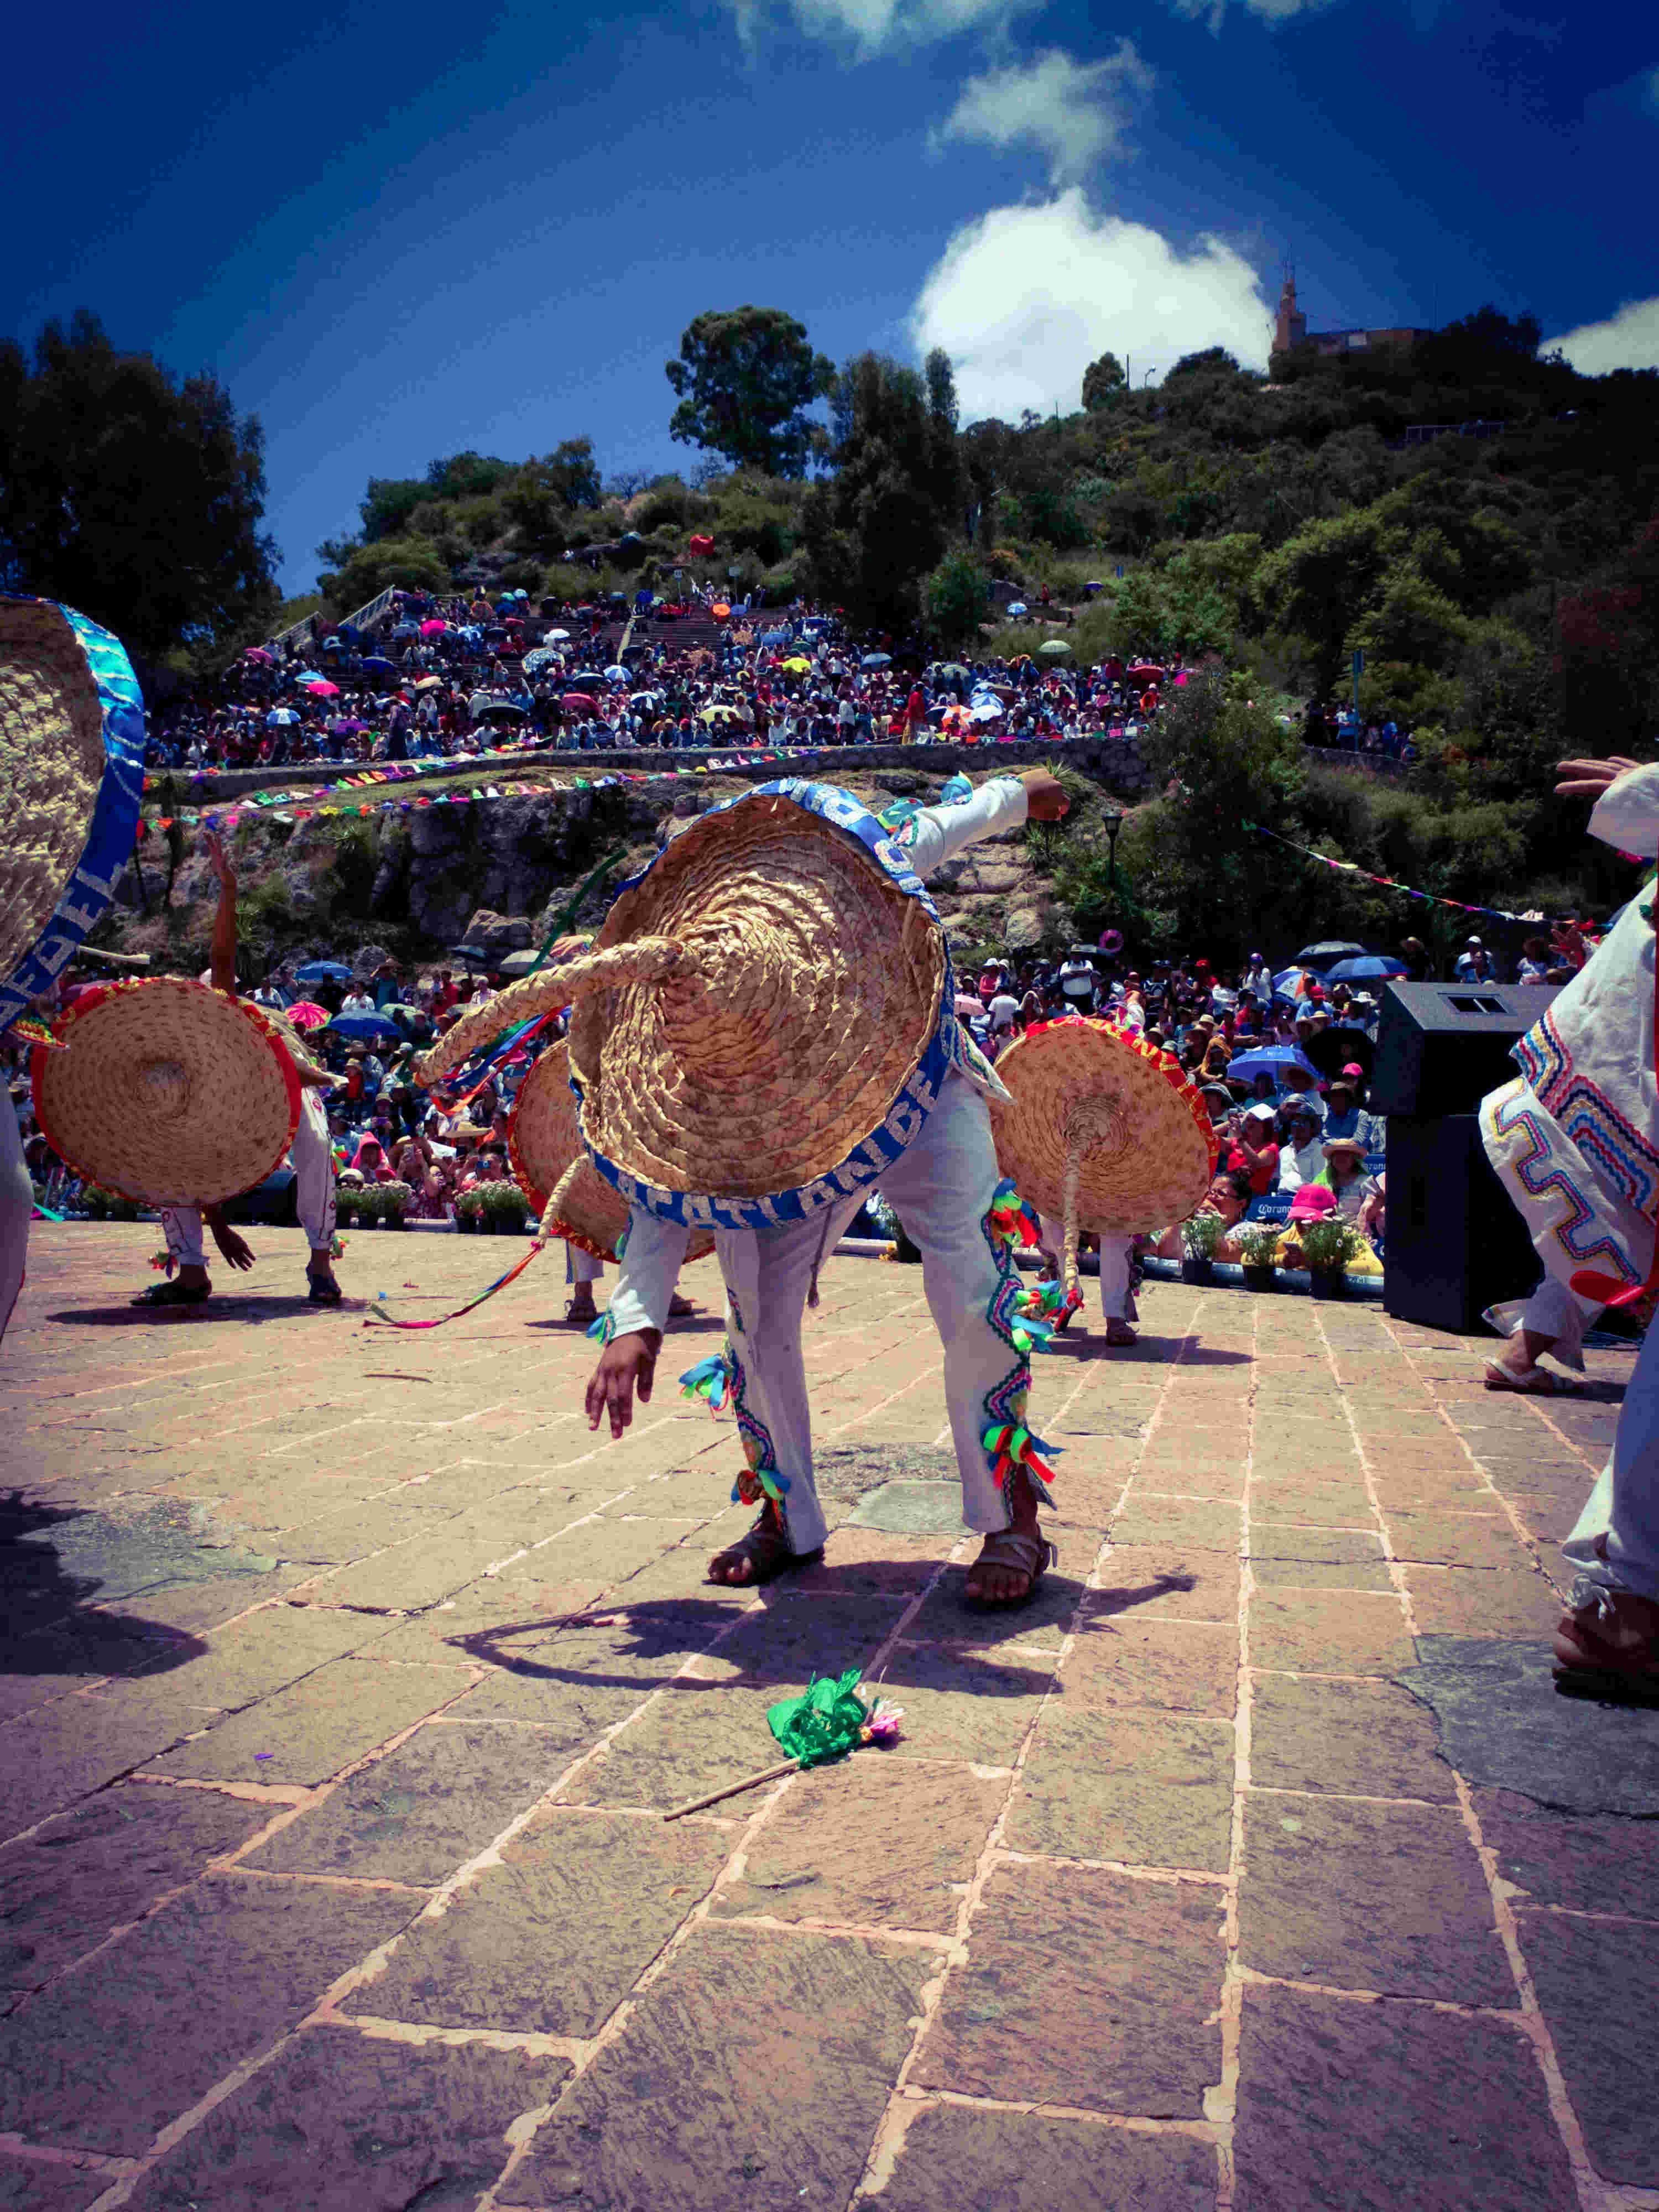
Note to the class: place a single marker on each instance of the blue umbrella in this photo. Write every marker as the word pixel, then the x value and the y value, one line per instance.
pixel 380 666
pixel 1372 969
pixel 876 660
pixel 1017 606
pixel 322 971
pixel 364 1027
pixel 1278 1060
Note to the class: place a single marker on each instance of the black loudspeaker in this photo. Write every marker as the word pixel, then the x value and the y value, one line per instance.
pixel 1442 1047
pixel 1456 1243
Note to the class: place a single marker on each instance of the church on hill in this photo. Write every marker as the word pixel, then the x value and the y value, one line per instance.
pixel 1291 334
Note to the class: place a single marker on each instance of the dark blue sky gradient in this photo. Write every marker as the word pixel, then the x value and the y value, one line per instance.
pixel 435 228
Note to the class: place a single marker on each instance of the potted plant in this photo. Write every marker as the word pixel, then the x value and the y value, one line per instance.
pixel 97 1201
pixel 1199 1238
pixel 506 1209
pixel 1327 1246
pixel 468 1210
pixel 1256 1249
pixel 393 1201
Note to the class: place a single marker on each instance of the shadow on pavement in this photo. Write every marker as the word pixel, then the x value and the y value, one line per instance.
pixel 46 1584
pixel 215 1309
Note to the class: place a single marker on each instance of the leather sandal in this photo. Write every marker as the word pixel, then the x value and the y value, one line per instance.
pixel 1607 1645
pixel 766 1548
pixel 1031 1556
pixel 174 1294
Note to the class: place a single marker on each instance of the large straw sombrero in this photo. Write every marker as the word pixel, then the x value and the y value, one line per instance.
pixel 765 1020
pixel 71 777
pixel 1101 1131
pixel 170 1092
pixel 544 1144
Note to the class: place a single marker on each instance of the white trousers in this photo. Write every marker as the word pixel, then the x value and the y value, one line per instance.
pixel 1615 1540
pixel 16 1211
pixel 1115 1279
pixel 311 1155
pixel 582 1266
pixel 941 1188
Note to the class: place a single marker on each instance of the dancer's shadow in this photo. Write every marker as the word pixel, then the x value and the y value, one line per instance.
pixel 47 1626
pixel 218 1307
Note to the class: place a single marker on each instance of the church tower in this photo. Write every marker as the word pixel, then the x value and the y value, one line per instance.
pixel 1291 327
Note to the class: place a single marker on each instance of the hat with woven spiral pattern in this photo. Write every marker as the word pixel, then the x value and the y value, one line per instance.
pixel 765 1020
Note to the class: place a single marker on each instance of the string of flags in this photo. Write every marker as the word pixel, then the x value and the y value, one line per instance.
pixel 344 797
pixel 1386 883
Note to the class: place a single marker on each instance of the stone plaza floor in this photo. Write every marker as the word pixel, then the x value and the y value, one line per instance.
pixel 1256 1864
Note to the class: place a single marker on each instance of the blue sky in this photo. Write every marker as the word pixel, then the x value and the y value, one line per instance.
pixel 434 229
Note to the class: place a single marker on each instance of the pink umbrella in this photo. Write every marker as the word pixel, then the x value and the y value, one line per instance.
pixel 433 629
pixel 580 699
pixel 308 1015
pixel 320 689
pixel 256 652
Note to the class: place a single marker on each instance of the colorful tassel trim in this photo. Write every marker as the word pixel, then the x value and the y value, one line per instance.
pixel 710 1380
pixel 601 1329
pixel 1012 1447
pixel 1039 1312
pixel 1011 1219
pixel 757 1482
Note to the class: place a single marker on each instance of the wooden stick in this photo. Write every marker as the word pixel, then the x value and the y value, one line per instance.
pixel 734 1790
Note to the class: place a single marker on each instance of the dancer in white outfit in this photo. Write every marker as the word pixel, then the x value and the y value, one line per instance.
pixel 946 1190
pixel 1116 1279
pixel 311 1154
pixel 1577 1141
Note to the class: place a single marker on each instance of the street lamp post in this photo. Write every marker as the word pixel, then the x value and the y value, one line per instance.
pixel 1111 822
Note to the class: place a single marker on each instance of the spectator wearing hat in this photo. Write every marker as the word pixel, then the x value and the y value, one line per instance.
pixel 1301 1152
pixel 1345 1118
pixel 1254 1147
pixel 1345 1174
pixel 1419 969
pixel 1474 965
pixel 1257 978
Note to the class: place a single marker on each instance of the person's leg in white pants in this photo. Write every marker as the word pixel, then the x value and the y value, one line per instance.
pixel 1613 1616
pixel 16 1211
pixel 942 1189
pixel 313 1156
pixel 581 1270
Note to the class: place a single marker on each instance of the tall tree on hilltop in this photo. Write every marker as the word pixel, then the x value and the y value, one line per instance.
pixel 882 521
pixel 745 376
pixel 1103 381
pixel 130 493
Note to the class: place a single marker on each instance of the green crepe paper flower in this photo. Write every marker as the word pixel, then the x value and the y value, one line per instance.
pixel 829 1719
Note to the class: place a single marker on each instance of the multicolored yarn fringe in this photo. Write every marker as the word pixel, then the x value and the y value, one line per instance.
pixel 1043 1310
pixel 710 1380
pixel 27 1031
pixel 759 1479
pixel 1012 1449
pixel 500 1284
pixel 601 1329
pixel 1012 1218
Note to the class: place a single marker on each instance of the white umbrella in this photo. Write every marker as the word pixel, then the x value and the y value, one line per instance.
pixel 986 710
pixel 554 636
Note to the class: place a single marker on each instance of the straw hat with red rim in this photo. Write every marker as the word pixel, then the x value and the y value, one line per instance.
pixel 545 1145
pixel 1101 1130
pixel 170 1092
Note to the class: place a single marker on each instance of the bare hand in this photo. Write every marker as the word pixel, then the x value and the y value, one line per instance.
pixel 627 1363
pixel 1045 795
pixel 1590 779
pixel 233 1250
pixel 218 861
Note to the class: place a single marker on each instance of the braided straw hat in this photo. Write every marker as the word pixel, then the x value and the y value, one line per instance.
pixel 170 1092
pixel 545 1143
pixel 764 1023
pixel 1102 1130
pixel 71 777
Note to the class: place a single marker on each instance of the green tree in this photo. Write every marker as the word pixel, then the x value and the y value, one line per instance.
pixel 745 376
pixel 1103 381
pixel 956 600
pixel 413 562
pixel 1316 586
pixel 130 493
pixel 877 528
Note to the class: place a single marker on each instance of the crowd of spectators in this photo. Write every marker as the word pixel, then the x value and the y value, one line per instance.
pixel 454 677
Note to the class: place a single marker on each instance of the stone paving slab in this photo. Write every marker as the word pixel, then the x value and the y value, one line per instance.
pixel 1255 1865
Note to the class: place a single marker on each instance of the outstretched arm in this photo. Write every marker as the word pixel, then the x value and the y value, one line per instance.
pixel 1002 802
pixel 221 965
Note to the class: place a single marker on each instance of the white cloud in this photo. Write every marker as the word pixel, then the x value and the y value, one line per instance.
pixel 1214 12
pixel 1025 298
pixel 876 27
pixel 1074 113
pixel 1629 339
